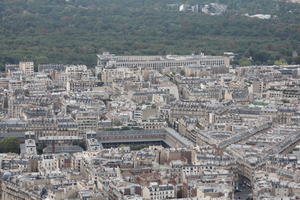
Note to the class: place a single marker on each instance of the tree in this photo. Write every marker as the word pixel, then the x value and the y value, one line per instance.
pixel 285 101
pixel 260 56
pixel 280 62
pixel 182 72
pixel 10 144
pixel 40 147
pixel 245 62
pixel 296 60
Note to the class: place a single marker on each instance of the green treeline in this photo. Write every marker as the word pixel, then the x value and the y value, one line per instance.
pixel 59 31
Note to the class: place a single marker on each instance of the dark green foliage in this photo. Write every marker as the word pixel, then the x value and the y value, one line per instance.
pixel 244 62
pixel 135 147
pixel 57 31
pixel 138 147
pixel 10 145
pixel 124 128
pixel 296 60
pixel 40 147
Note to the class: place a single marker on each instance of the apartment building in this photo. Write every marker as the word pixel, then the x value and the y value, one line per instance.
pixel 158 192
pixel 27 67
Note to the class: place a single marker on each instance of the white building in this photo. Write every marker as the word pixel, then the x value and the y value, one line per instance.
pixel 30 145
pixel 157 192
pixel 161 62
pixel 48 164
pixel 27 67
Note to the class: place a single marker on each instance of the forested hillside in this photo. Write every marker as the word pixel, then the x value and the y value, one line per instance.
pixel 74 31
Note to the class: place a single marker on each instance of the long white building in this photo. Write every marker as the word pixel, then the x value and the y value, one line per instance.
pixel 161 62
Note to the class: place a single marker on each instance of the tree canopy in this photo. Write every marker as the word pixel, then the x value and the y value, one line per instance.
pixel 10 145
pixel 74 31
